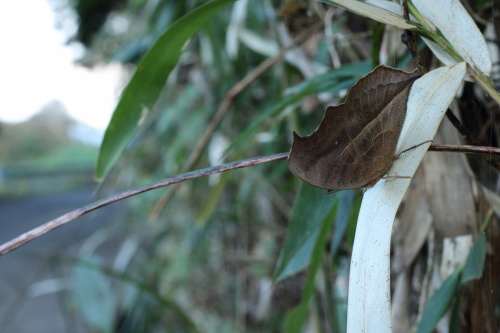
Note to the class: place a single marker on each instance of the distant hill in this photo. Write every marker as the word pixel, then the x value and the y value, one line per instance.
pixel 44 140
pixel 40 156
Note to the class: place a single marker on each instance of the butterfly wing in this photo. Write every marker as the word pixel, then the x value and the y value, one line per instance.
pixel 354 145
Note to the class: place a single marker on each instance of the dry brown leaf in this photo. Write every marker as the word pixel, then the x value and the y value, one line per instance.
pixel 355 143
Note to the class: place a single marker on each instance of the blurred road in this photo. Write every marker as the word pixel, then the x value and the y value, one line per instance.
pixel 33 296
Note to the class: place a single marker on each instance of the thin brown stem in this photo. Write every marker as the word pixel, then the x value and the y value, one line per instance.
pixel 63 219
pixel 469 139
pixel 466 149
pixel 68 217
pixel 224 108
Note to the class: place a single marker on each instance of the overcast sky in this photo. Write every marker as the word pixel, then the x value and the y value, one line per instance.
pixel 37 68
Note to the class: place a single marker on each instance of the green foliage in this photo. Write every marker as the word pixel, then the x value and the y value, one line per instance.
pixel 93 299
pixel 296 318
pixel 144 87
pixel 312 210
pixel 136 307
pixel 443 298
pixel 439 303
pixel 215 247
pixel 474 265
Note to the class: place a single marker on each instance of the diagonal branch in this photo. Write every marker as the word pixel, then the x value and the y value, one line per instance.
pixel 63 219
pixel 68 217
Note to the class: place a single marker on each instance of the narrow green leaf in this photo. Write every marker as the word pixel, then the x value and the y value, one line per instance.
pixel 455 317
pixel 148 81
pixel 339 308
pixel 143 288
pixel 378 36
pixel 352 222
pixel 439 303
pixel 474 265
pixel 310 210
pixel 91 291
pixel 328 80
pixel 341 220
pixel 295 319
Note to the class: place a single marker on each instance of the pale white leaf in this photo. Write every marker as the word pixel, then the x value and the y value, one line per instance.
pixel 375 12
pixel 455 253
pixel 394 8
pixel 442 55
pixel 456 25
pixel 257 43
pixel 369 283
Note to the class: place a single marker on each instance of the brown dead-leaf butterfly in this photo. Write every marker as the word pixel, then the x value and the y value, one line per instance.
pixel 355 143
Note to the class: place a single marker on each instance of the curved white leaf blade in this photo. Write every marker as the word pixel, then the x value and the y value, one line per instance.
pixel 369 283
pixel 442 55
pixel 456 25
pixel 374 12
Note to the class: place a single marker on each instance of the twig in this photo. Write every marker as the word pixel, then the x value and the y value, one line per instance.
pixel 466 149
pixel 410 40
pixel 224 108
pixel 68 217
pixel 63 219
pixel 404 10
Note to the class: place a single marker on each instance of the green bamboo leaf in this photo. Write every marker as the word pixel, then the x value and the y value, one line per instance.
pixel 473 268
pixel 341 220
pixel 312 208
pixel 296 318
pixel 91 293
pixel 148 81
pixel 439 303
pixel 378 36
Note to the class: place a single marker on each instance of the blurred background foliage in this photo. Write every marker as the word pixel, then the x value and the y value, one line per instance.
pixel 226 253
